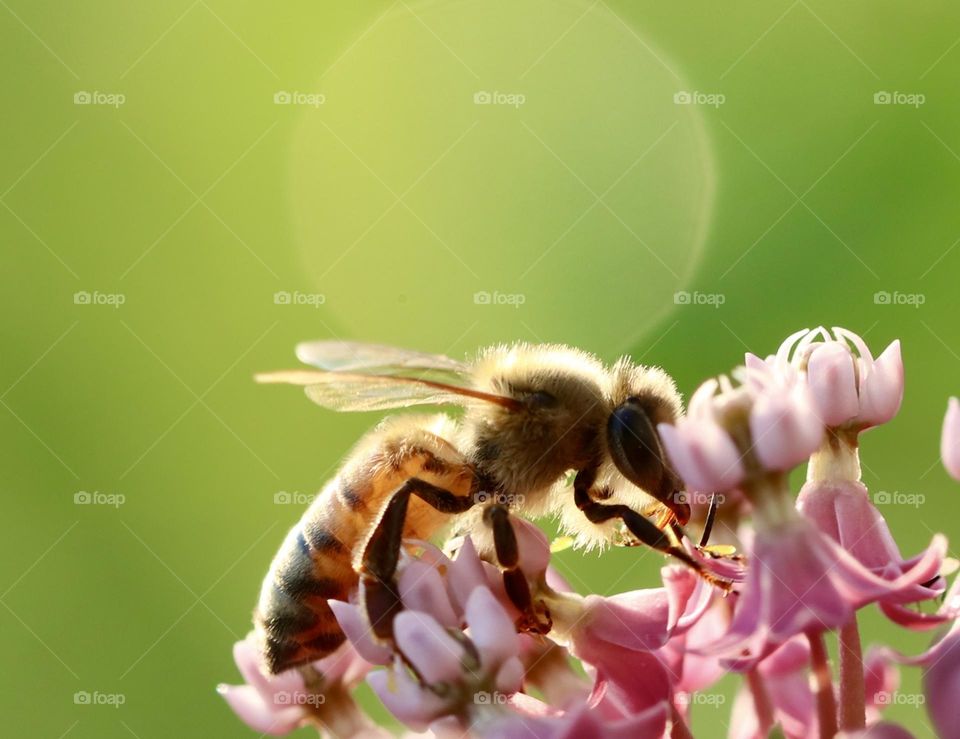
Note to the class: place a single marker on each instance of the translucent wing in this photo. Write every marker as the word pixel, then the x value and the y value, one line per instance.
pixel 380 359
pixel 347 391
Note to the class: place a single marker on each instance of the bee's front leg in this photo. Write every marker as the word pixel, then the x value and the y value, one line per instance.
pixel 534 617
pixel 645 531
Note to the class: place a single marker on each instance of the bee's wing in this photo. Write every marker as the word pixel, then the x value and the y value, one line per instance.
pixel 348 391
pixel 380 359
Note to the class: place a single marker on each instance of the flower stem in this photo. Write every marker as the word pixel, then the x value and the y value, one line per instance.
pixel 761 702
pixel 823 682
pixel 679 728
pixel 852 687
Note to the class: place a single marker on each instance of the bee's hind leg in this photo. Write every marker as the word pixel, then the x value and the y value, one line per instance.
pixel 379 592
pixel 515 582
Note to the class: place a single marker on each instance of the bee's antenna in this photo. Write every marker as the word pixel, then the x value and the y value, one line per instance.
pixel 711 517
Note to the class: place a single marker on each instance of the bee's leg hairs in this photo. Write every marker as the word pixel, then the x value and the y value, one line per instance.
pixel 533 619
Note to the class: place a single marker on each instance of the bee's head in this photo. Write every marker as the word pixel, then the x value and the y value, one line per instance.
pixel 553 424
pixel 639 399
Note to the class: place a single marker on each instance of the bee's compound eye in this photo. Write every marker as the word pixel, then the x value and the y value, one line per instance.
pixel 540 399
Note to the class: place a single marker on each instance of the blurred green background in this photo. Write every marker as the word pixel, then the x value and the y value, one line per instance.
pixel 443 175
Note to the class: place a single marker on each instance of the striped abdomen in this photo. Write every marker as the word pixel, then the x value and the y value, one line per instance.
pixel 293 619
pixel 319 558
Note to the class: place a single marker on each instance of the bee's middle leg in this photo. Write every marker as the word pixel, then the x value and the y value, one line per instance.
pixel 514 579
pixel 380 594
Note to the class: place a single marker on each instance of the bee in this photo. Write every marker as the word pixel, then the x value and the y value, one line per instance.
pixel 532 414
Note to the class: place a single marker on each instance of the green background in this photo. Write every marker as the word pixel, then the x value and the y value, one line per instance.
pixel 396 200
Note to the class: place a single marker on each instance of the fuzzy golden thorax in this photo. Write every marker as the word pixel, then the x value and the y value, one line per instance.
pixel 557 427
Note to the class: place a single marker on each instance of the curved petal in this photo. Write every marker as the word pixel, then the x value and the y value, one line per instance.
pixel 950 439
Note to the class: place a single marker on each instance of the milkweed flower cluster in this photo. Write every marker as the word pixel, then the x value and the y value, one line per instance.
pixel 642 663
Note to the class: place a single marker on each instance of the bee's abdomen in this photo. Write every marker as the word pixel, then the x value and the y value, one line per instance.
pixel 294 622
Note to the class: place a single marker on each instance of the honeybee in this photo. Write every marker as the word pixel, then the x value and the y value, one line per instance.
pixel 532 414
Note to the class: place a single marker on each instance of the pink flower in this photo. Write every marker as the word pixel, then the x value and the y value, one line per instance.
pixel 941 669
pixel 843 510
pixel 950 440
pixel 452 676
pixel 799 580
pixel 849 387
pixel 278 704
pixel 739 433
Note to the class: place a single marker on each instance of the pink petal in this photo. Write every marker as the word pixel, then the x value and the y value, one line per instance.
pixel 950 440
pixel 465 574
pixel 405 699
pixel 509 677
pixel 491 629
pixel 784 428
pixel 247 658
pixel 255 712
pixel 703 454
pixel 533 545
pixel 358 631
pixel 422 589
pixel 881 390
pixel 428 646
pixel 833 383
pixel 941 683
